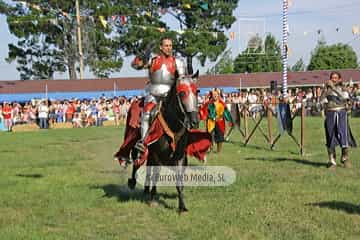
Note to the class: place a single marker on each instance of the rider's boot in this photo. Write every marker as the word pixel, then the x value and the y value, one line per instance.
pixel 144 127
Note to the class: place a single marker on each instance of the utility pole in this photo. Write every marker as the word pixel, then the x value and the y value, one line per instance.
pixel 79 39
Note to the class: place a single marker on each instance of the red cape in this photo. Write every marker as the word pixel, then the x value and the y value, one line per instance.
pixel 198 143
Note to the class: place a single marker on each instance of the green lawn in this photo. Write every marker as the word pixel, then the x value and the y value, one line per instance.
pixel 64 184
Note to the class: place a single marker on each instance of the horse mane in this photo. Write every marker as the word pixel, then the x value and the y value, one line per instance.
pixel 171 109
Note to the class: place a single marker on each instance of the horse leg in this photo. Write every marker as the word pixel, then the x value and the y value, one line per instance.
pixel 132 180
pixel 180 184
pixel 153 193
pixel 147 179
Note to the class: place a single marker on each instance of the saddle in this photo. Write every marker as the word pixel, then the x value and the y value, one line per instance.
pixel 198 143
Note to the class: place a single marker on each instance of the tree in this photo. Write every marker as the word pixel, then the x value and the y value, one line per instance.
pixel 299 66
pixel 111 28
pixel 258 57
pixel 225 65
pixel 47 39
pixel 200 33
pixel 337 56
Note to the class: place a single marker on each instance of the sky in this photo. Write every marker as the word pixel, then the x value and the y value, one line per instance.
pixel 333 17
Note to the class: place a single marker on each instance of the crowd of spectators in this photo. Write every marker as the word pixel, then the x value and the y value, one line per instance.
pixel 93 112
pixel 256 99
pixel 80 113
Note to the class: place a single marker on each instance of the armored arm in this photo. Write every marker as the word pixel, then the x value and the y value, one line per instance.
pixel 139 63
pixel 142 60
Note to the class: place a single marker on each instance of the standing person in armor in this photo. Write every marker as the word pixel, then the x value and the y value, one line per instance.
pixel 164 69
pixel 337 129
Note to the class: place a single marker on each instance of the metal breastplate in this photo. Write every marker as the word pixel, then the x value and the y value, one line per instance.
pixel 162 75
pixel 337 98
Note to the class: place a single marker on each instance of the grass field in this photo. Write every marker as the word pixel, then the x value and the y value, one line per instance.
pixel 64 184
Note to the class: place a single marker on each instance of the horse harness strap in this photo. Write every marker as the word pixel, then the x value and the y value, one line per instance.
pixel 174 136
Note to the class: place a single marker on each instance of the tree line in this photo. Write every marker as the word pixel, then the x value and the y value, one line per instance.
pixel 111 30
pixel 265 56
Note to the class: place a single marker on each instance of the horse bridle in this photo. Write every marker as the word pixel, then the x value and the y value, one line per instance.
pixel 186 119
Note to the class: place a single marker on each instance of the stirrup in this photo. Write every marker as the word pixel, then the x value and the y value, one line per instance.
pixel 140 146
pixel 124 162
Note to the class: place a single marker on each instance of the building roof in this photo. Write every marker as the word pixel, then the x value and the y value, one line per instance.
pixel 252 80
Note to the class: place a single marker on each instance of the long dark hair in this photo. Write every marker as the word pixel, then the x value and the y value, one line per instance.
pixel 335 72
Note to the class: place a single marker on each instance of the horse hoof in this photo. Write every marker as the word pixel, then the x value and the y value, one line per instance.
pixel 183 210
pixel 131 183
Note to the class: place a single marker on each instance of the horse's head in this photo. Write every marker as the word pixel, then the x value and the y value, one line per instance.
pixel 186 90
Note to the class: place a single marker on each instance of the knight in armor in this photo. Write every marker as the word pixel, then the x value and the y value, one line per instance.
pixel 337 129
pixel 164 70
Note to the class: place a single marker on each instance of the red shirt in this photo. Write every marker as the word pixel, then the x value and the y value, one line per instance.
pixel 7 112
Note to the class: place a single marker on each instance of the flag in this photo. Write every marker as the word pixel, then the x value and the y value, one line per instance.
pixel 356 29
pixel 204 6
pixel 123 19
pixel 284 118
pixel 290 3
pixel 37 7
pixel 187 6
pixel 103 21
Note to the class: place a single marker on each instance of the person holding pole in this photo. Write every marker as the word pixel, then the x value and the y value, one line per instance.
pixel 337 129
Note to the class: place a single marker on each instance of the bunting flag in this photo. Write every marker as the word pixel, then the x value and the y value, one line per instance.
pixel 288 50
pixel 284 118
pixel 204 6
pixel 65 14
pixel 356 29
pixel 37 7
pixel 290 3
pixel 123 19
pixel 187 6
pixel 103 21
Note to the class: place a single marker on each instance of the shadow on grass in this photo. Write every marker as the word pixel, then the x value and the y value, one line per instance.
pixel 300 161
pixel 124 194
pixel 109 171
pixel 31 175
pixel 338 205
pixel 242 144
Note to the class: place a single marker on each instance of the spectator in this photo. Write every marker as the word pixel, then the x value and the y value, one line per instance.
pixel 76 121
pixel 43 113
pixel 7 115
pixel 2 125
pixel 70 110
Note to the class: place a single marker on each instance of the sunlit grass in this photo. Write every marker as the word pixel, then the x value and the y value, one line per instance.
pixel 63 184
